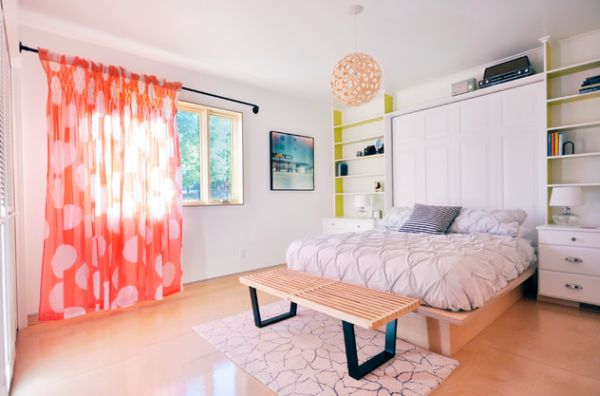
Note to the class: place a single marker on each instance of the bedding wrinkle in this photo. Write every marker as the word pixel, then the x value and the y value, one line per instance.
pixel 451 271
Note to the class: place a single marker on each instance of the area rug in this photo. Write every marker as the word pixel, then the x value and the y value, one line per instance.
pixel 305 355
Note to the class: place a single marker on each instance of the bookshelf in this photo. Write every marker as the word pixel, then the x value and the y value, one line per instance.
pixel 567 156
pixel 577 117
pixel 353 130
pixel 581 125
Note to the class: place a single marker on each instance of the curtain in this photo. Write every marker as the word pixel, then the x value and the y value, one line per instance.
pixel 113 197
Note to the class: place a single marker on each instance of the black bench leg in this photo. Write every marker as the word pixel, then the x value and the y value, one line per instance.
pixel 256 311
pixel 357 371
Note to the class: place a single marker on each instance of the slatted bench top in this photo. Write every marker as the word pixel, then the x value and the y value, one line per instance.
pixel 359 305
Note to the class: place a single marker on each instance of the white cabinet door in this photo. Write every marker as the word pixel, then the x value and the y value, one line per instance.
pixel 407 134
pixel 484 152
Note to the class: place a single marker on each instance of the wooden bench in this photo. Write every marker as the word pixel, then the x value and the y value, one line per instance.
pixel 353 305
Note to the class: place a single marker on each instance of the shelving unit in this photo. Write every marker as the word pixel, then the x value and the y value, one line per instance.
pixel 578 67
pixel 365 157
pixel 575 185
pixel 362 121
pixel 350 137
pixel 581 125
pixel 578 117
pixel 360 175
pixel 363 139
pixel 360 193
pixel 567 156
pixel 573 98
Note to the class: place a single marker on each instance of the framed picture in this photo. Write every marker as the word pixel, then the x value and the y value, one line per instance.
pixel 292 162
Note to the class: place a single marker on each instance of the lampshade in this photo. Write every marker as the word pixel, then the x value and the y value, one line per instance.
pixel 566 196
pixel 356 79
pixel 361 201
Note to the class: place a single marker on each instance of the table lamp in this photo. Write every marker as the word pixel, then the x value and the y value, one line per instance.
pixel 361 202
pixel 565 197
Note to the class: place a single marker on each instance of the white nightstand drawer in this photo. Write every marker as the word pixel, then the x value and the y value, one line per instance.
pixel 570 286
pixel 576 260
pixel 569 238
pixel 360 226
pixel 336 225
pixel 331 226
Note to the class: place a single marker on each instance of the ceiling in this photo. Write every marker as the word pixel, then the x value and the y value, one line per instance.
pixel 292 46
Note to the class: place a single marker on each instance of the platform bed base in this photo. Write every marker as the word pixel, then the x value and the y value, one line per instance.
pixel 446 332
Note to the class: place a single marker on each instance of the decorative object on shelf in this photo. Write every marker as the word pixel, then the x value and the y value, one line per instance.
pixel 370 150
pixel 356 77
pixel 378 186
pixel 292 162
pixel 463 87
pixel 361 202
pixel 377 214
pixel 564 148
pixel 566 197
pixel 379 146
pixel 342 169
pixel 590 84
pixel 359 153
pixel 506 71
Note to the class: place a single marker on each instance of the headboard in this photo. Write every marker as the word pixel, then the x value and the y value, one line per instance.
pixel 487 151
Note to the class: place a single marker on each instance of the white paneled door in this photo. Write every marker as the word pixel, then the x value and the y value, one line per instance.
pixel 484 152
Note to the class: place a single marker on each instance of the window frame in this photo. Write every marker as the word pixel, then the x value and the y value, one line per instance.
pixel 237 153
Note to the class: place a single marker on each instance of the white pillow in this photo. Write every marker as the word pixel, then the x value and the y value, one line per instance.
pixel 499 222
pixel 396 217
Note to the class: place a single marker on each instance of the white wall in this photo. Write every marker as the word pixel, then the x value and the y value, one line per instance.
pixel 213 235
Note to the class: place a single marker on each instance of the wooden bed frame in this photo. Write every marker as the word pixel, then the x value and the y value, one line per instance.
pixel 446 332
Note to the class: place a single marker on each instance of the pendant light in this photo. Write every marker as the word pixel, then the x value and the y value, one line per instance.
pixel 356 77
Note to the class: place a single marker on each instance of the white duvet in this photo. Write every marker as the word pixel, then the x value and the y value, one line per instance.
pixel 452 271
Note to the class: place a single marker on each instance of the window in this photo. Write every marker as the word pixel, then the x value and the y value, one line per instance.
pixel 210 143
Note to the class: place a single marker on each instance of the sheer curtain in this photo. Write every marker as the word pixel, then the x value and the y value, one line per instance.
pixel 113 198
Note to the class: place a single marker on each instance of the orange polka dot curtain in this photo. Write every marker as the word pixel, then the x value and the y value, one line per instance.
pixel 113 194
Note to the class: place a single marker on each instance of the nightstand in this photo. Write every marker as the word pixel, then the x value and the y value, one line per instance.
pixel 338 225
pixel 569 263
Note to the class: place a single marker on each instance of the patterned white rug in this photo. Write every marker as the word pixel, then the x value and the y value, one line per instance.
pixel 305 355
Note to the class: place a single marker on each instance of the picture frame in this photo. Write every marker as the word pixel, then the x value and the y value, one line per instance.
pixel 291 162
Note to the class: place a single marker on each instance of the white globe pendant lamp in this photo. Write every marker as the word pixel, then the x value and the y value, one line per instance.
pixel 356 77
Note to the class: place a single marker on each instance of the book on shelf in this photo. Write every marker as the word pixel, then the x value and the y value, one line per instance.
pixel 555 144
pixel 560 143
pixel 589 88
pixel 591 84
pixel 591 80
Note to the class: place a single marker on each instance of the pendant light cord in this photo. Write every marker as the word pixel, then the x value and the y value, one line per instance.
pixel 354 32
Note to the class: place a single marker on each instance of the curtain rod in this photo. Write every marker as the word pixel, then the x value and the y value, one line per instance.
pixel 255 107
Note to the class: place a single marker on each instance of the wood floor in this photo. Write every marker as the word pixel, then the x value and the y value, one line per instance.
pixel 535 348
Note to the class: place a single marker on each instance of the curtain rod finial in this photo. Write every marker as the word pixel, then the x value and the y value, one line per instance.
pixel 255 109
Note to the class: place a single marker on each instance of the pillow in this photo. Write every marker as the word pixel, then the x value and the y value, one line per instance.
pixel 430 219
pixel 396 217
pixel 498 222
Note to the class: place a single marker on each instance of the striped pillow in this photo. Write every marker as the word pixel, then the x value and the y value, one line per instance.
pixel 430 219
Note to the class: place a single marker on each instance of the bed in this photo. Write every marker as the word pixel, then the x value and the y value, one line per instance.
pixel 465 279
pixel 457 272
